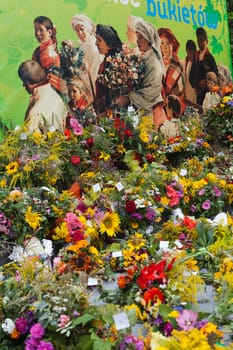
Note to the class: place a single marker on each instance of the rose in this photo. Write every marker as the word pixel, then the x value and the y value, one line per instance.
pixel 75 160
pixel 130 207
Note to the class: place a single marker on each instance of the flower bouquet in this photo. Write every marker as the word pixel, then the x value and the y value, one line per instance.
pixel 124 71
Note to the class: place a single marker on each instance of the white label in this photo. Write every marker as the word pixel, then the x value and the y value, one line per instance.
pixel 92 281
pixel 116 254
pixel 96 187
pixel 178 243
pixel 121 321
pixel 163 244
pixel 119 186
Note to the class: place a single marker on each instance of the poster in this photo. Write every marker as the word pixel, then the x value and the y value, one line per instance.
pixel 18 40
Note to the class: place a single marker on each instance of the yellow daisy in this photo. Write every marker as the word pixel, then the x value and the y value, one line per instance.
pixel 12 168
pixel 110 224
pixel 3 183
pixel 33 219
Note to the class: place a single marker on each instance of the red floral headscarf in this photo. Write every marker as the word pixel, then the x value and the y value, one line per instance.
pixel 167 33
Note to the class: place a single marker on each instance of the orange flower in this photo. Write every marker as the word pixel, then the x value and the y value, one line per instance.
pixel 154 294
pixel 122 281
pixel 15 334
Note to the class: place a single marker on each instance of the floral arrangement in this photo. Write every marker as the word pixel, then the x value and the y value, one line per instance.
pixel 218 122
pixel 114 204
pixel 72 61
pixel 123 71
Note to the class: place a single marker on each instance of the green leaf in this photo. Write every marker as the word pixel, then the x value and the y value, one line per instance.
pixel 83 319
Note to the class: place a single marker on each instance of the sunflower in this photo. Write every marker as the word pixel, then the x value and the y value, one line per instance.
pixel 81 262
pixel 33 219
pixel 12 168
pixel 110 224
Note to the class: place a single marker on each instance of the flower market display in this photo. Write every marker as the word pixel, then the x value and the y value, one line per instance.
pixel 112 237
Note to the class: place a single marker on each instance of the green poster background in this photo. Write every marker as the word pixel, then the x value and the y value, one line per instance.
pixel 18 41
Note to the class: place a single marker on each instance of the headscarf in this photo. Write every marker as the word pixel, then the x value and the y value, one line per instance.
pixel 149 32
pixel 132 21
pixel 84 21
pixel 109 35
pixel 167 33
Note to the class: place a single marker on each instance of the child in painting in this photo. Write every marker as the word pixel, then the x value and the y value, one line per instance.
pixel 170 127
pixel 212 97
pixel 79 107
pixel 46 54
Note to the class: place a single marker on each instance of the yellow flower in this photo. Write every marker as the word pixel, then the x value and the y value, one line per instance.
pixel 37 137
pixel 33 219
pixel 174 314
pixel 91 232
pixel 12 168
pixel 134 225
pixel 93 250
pixel 164 200
pixel 61 232
pixel 105 156
pixel 15 195
pixel 3 183
pixel 57 211
pixel 212 177
pixel 229 190
pixel 121 149
pixel 110 224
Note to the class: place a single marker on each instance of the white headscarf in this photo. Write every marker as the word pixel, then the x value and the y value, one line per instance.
pixel 150 33
pixel 132 21
pixel 84 21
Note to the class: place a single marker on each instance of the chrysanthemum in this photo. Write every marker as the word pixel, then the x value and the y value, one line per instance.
pixel 110 224
pixel 33 219
pixel 12 168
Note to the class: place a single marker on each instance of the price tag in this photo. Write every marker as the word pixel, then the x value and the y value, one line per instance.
pixel 121 321
pixel 96 187
pixel 92 281
pixel 119 186
pixel 117 254
pixel 178 244
pixel 163 245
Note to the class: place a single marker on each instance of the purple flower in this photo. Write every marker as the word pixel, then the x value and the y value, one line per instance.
pixel 206 205
pixel 138 344
pixel 168 328
pixel 201 323
pixel 136 216
pixel 158 321
pixel 187 320
pixel 31 344
pixel 37 331
pixel 21 325
pixel 217 191
pixel 201 192
pixel 44 345
pixel 150 215
pixel 193 208
pixel 199 142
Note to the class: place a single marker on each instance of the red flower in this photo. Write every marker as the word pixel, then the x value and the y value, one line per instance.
pixel 130 207
pixel 189 222
pixel 153 272
pixel 128 133
pixel 75 160
pixel 153 295
pixel 119 124
pixel 67 134
pixel 90 142
pixel 149 157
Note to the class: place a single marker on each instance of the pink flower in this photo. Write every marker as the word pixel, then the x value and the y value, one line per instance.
pixel 217 191
pixel 201 192
pixel 37 331
pixel 77 128
pixel 187 320
pixel 206 205
pixel 64 319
